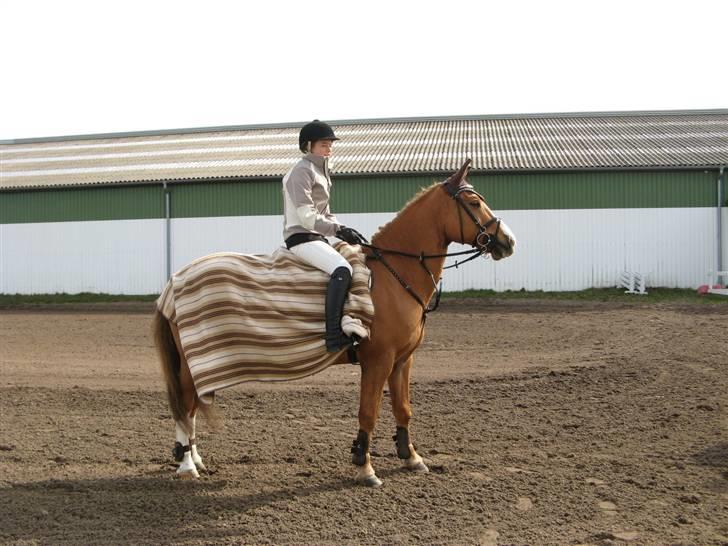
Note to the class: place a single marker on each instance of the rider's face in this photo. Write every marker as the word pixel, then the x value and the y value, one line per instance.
pixel 322 147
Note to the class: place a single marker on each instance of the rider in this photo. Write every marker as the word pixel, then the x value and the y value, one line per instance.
pixel 308 221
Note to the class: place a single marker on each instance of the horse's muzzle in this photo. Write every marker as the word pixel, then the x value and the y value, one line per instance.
pixel 502 244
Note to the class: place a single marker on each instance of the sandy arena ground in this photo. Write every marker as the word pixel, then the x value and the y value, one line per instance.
pixel 542 423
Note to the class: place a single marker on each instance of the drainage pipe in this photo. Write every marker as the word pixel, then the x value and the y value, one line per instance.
pixel 719 224
pixel 167 231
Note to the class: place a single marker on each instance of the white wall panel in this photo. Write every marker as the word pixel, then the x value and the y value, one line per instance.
pixel 578 249
pixel 557 250
pixel 113 257
pixel 724 244
pixel 2 259
pixel 195 237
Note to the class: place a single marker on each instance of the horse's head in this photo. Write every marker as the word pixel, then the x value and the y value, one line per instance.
pixel 472 222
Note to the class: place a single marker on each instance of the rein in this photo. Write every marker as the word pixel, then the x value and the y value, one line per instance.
pixel 483 244
pixel 378 254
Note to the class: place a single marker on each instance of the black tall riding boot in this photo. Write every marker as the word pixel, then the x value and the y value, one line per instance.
pixel 336 292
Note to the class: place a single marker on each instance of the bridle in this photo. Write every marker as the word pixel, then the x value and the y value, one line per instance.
pixel 482 244
pixel 483 239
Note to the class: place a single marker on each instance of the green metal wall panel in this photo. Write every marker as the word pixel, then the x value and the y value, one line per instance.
pixel 620 189
pixel 521 191
pixel 542 190
pixel 376 194
pixel 228 198
pixel 75 204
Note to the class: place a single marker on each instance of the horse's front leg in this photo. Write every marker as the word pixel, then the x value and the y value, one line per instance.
pixel 399 381
pixel 374 373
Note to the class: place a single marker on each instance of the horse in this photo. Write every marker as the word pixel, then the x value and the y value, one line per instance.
pixel 406 259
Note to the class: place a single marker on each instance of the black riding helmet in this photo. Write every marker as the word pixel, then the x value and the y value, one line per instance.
pixel 313 131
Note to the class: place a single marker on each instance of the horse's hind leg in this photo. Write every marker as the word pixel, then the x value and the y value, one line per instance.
pixel 399 381
pixel 185 447
pixel 193 447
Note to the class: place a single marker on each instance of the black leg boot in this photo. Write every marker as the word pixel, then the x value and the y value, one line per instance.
pixel 338 288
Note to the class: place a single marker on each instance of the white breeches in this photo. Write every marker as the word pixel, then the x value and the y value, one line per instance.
pixel 321 256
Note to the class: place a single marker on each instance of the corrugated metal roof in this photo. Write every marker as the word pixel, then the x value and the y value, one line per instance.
pixel 555 142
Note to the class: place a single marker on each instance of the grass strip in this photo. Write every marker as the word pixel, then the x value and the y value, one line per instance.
pixel 654 295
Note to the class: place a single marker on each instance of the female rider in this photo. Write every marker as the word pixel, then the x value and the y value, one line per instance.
pixel 308 221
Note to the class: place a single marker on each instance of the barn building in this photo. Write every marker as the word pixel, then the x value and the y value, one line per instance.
pixel 588 195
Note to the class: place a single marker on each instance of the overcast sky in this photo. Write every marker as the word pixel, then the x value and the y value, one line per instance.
pixel 72 67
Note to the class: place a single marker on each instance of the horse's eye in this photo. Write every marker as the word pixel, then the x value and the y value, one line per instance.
pixel 475 204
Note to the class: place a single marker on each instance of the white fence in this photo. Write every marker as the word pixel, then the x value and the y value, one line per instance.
pixel 557 250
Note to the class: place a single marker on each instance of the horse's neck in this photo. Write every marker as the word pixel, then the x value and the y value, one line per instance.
pixel 416 230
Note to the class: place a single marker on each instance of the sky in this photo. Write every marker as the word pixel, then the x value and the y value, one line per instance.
pixel 75 67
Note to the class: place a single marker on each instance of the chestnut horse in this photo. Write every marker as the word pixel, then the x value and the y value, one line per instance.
pixel 406 259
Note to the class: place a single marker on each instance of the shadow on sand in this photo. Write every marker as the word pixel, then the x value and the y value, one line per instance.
pixel 148 509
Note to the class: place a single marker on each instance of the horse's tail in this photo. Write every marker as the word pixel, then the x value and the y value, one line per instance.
pixel 170 360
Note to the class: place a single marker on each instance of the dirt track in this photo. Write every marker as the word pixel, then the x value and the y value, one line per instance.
pixel 542 424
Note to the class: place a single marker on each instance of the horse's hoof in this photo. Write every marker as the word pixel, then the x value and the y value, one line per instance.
pixel 200 466
pixel 418 467
pixel 371 481
pixel 188 474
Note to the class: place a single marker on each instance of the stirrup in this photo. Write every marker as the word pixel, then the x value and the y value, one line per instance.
pixel 353 327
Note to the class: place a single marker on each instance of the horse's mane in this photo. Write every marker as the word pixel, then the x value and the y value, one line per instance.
pixel 419 195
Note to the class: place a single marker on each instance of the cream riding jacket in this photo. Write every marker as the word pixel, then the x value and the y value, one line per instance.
pixel 306 192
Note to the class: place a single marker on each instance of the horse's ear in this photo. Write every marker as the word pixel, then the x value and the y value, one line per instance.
pixel 454 181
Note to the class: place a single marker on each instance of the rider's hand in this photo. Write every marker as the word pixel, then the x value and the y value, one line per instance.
pixel 350 235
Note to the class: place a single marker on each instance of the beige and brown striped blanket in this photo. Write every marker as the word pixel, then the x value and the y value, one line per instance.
pixel 245 317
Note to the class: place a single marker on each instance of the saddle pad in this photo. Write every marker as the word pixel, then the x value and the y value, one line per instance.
pixel 244 317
